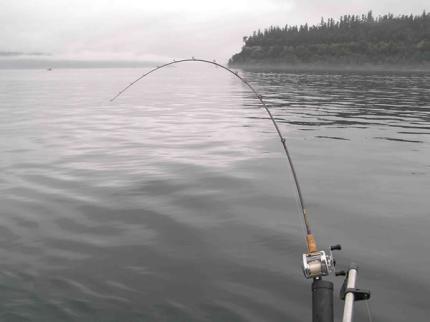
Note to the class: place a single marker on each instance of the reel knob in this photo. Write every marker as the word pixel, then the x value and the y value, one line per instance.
pixel 336 247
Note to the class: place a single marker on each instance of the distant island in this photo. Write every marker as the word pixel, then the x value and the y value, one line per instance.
pixel 352 40
pixel 20 53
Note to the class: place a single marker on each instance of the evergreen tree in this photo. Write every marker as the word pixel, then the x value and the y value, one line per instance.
pixel 353 39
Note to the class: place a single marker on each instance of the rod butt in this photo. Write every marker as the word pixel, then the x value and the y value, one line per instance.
pixel 322 301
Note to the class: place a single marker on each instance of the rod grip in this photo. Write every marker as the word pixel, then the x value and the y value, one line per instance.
pixel 312 244
pixel 322 301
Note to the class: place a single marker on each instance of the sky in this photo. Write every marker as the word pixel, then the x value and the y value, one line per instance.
pixel 160 30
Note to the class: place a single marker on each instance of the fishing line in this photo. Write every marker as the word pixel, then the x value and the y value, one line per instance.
pixel 310 240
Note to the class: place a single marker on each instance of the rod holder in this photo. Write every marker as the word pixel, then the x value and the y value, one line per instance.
pixel 322 301
pixel 350 294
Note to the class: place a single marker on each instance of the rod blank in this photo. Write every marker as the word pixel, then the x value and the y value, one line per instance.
pixel 260 98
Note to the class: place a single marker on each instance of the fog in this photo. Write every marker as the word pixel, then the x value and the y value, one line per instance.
pixel 136 30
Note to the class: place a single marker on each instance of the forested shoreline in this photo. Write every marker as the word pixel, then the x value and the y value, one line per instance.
pixel 351 40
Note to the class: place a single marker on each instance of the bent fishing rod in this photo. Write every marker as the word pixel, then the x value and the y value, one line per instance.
pixel 315 263
pixel 311 244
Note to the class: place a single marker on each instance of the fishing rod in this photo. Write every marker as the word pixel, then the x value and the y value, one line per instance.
pixel 315 263
pixel 311 243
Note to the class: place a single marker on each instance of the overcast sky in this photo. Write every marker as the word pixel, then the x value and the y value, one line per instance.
pixel 162 29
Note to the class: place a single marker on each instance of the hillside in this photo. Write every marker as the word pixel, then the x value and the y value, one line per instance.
pixel 350 40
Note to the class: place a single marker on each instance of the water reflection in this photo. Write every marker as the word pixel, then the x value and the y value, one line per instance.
pixel 350 100
pixel 176 203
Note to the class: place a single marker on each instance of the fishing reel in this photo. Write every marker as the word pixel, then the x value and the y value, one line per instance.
pixel 319 263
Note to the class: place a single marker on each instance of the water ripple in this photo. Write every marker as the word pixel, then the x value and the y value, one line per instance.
pixel 176 204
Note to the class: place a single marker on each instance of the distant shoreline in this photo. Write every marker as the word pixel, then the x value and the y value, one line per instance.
pixel 258 67
pixel 354 43
pixel 34 63
pixel 424 68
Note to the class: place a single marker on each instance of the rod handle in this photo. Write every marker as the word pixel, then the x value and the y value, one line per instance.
pixel 312 244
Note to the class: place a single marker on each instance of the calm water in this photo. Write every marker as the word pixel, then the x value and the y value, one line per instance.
pixel 175 202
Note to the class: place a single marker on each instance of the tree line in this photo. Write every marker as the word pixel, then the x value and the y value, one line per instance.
pixel 352 39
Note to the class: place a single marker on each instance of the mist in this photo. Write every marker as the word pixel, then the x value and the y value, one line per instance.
pixel 150 31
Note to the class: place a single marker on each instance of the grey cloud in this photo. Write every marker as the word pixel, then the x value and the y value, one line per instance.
pixel 133 29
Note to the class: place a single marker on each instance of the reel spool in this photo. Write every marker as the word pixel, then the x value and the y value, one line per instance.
pixel 319 263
